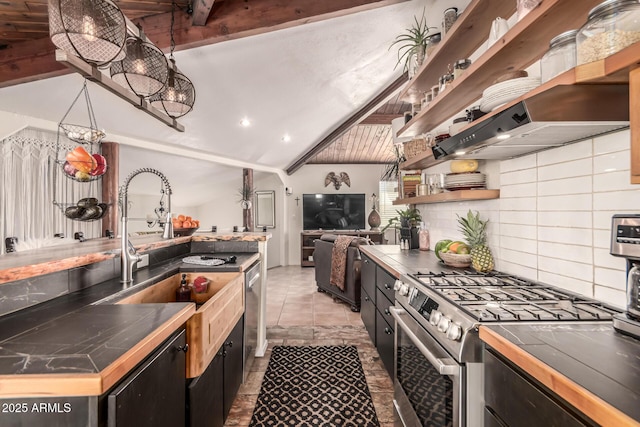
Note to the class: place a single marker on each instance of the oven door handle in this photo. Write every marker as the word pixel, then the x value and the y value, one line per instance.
pixel 444 366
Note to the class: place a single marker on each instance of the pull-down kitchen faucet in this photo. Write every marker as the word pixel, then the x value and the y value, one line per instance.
pixel 128 255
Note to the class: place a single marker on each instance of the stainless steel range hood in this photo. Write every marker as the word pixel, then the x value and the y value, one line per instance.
pixel 560 115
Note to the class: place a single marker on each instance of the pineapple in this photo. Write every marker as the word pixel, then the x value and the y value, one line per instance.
pixel 474 231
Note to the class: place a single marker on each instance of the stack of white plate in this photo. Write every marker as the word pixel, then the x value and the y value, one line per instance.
pixel 464 181
pixel 500 93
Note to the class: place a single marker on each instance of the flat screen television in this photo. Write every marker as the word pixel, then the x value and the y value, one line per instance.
pixel 333 211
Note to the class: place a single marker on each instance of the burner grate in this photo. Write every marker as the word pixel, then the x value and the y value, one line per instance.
pixel 500 297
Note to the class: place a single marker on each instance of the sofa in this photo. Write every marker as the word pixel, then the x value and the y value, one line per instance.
pixel 322 259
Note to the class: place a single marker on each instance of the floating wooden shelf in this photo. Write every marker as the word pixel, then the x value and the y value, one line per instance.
pixel 421 161
pixel 523 44
pixel 451 196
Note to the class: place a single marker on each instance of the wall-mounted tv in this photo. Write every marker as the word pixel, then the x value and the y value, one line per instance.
pixel 333 211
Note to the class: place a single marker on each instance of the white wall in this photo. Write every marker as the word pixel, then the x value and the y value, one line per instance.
pixel 223 211
pixel 552 222
pixel 310 179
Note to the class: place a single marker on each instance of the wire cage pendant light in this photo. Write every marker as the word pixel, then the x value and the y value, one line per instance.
pixel 179 94
pixel 144 69
pixel 94 30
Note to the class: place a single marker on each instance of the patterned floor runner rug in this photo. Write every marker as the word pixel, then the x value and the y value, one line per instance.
pixel 314 386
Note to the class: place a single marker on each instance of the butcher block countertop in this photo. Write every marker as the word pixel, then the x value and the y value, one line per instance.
pixel 85 352
pixel 36 262
pixel 591 366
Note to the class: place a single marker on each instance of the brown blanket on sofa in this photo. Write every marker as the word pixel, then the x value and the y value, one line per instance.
pixel 339 260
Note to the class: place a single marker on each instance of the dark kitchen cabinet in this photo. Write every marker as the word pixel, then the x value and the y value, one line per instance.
pixel 368 315
pixel 211 395
pixel 512 399
pixel 385 342
pixel 153 394
pixel 377 298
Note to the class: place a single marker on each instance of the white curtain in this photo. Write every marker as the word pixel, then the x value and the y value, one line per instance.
pixel 29 186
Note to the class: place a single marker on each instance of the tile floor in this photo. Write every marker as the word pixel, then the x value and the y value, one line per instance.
pixel 297 314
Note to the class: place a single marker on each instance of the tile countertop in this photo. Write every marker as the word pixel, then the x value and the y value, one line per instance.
pixel 591 366
pixel 22 265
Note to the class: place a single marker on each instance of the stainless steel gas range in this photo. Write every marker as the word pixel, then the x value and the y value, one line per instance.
pixel 438 354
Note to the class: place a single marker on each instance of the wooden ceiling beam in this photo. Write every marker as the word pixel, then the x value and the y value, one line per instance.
pixel 355 119
pixel 232 19
pixel 379 119
pixel 201 11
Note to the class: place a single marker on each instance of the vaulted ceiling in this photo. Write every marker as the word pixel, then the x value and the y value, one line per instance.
pixel 301 67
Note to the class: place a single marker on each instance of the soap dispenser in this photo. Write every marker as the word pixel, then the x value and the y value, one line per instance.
pixel 183 293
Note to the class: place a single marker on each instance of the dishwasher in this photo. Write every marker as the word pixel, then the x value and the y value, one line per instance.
pixel 253 289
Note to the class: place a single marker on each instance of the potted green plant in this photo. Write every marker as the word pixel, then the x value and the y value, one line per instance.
pixel 413 42
pixel 406 222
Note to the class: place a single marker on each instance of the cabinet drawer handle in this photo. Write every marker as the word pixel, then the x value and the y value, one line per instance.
pixel 387 312
pixel 184 348
pixel 366 298
pixel 229 344
pixel 366 261
pixel 387 331
pixel 387 286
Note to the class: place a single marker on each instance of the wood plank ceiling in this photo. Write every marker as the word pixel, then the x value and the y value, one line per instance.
pixel 26 53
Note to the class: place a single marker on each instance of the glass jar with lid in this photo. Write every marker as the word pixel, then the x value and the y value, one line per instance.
pixel 432 42
pixel 612 26
pixel 560 57
pixel 448 19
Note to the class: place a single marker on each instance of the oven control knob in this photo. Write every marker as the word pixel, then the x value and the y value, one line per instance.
pixel 397 285
pixel 435 317
pixel 454 332
pixel 443 324
pixel 404 290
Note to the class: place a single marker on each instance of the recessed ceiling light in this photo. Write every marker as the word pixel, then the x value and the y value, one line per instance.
pixel 460 153
pixel 503 136
pixel 245 122
pixel 286 137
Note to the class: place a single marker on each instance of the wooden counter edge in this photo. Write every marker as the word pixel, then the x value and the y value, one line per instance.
pixel 395 273
pixel 583 400
pixel 50 385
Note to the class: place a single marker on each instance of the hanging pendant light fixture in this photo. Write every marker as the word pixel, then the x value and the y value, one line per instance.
pixel 144 68
pixel 179 94
pixel 94 30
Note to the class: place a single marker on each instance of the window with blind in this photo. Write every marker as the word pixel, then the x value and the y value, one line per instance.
pixel 388 191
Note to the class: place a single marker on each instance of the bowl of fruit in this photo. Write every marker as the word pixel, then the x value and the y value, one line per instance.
pixel 453 253
pixel 184 225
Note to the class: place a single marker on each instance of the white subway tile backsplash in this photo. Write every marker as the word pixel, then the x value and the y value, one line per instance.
pixel 618 141
pixel 572 202
pixel 522 231
pixel 609 278
pixel 612 181
pixel 577 185
pixel 518 204
pixel 617 200
pixel 565 219
pixel 570 236
pixel 518 190
pixel 518 177
pixel 602 258
pixel 614 297
pixel 518 269
pixel 517 244
pixel 583 254
pixel 582 167
pixel 560 266
pixel 519 163
pixel 602 219
pixel 601 239
pixel 568 153
pixel 517 257
pixel 518 217
pixel 611 162
pixel 574 285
